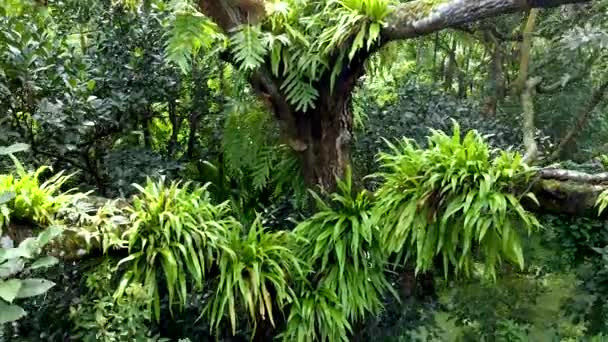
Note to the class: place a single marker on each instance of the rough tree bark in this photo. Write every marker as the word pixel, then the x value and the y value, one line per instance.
pixel 322 135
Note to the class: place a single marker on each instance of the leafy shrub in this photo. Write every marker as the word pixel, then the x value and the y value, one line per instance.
pixel 345 250
pixel 32 201
pixel 128 165
pixel 317 316
pixel 256 268
pixel 574 237
pixel 13 263
pixel 175 232
pixel 592 308
pixel 454 200
pixel 499 311
pixel 99 317
pixel 99 226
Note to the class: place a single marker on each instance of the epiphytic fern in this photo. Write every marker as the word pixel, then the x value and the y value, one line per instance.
pixel 189 33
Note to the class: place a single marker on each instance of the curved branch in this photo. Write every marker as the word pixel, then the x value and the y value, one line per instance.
pixel 421 17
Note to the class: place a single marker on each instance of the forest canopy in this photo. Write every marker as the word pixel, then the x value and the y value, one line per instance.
pixel 303 170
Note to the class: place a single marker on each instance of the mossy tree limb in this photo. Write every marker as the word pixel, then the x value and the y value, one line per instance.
pixel 417 18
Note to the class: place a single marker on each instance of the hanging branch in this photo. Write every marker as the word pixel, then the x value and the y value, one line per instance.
pixel 526 47
pixel 527 101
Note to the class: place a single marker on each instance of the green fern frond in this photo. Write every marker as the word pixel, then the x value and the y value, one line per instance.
pixel 189 33
pixel 300 92
pixel 249 46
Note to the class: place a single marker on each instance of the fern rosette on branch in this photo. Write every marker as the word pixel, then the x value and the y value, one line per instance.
pixel 455 200
pixel 257 269
pixel 177 230
pixel 304 41
pixel 346 252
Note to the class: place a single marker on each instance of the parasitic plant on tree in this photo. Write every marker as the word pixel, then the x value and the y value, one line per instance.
pixel 454 200
pixel 306 57
pixel 257 268
pixel 176 232
pixel 346 251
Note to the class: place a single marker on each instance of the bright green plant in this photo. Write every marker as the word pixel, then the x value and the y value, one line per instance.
pixel 13 265
pixel 33 201
pixel 317 316
pixel 175 231
pixel 453 200
pixel 256 268
pixel 602 202
pixel 346 251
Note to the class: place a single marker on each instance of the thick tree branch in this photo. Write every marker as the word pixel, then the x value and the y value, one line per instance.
pixel 417 18
pixel 559 191
pixel 573 176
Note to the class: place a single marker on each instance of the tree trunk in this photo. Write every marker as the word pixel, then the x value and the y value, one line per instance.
pixel 327 132
pixel 194 121
pixel 176 123
pixel 496 79
pixel 451 68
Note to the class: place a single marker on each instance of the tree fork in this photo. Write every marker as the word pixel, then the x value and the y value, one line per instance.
pixel 322 135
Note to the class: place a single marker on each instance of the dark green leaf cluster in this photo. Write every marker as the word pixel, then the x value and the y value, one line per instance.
pixel 99 317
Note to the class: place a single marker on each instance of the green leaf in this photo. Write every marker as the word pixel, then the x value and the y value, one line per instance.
pixel 14 253
pixel 34 287
pixel 9 289
pixel 44 262
pixel 10 267
pixel 374 33
pixel 6 196
pixel 10 313
pixel 91 85
pixel 358 42
pixel 49 234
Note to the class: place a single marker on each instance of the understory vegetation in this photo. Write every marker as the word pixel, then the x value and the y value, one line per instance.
pixel 357 170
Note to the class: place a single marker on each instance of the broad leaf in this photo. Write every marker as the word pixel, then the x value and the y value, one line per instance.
pixel 34 287
pixel 9 289
pixel 6 196
pixel 44 262
pixel 10 313
pixel 11 267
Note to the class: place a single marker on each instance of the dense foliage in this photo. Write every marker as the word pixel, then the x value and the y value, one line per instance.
pixel 185 168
